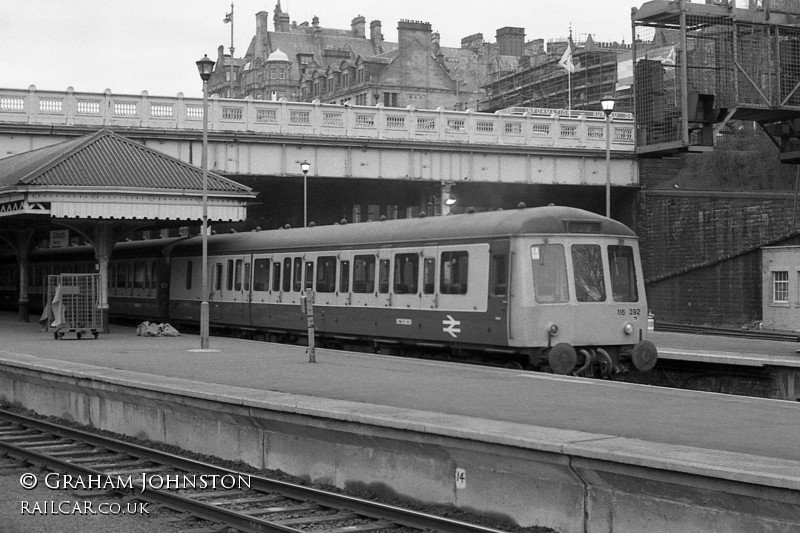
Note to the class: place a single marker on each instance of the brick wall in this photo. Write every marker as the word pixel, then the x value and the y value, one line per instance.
pixel 701 250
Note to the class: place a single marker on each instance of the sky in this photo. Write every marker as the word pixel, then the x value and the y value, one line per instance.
pixel 132 46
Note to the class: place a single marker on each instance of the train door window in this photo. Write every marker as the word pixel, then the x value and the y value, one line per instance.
pixel 429 275
pixel 246 276
pixel 276 276
pixel 499 275
pixel 549 267
pixel 140 280
pixel 383 276
pixel 218 276
pixel 623 274
pixel 344 276
pixel 188 276
pixel 364 273
pixel 287 274
pixel 326 274
pixel 297 274
pixel 129 277
pixel 112 276
pixel 587 265
pixel 122 275
pixel 309 276
pixel 261 275
pixel 455 269
pixel 406 273
pixel 229 279
pixel 238 275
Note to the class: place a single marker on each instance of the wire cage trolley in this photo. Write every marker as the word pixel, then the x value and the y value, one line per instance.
pixel 73 302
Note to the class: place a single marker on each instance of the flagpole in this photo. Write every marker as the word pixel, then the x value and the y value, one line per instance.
pixel 569 93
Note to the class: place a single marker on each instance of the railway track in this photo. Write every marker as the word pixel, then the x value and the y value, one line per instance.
pixel 729 332
pixel 241 501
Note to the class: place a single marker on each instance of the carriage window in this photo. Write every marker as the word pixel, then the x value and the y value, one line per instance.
pixel 587 265
pixel 429 275
pixel 309 275
pixel 188 277
pixel 406 273
pixel 383 276
pixel 549 273
pixel 364 273
pixel 287 275
pixel 499 275
pixel 276 276
pixel 261 275
pixel 297 274
pixel 344 277
pixel 623 274
pixel 140 280
pixel 237 276
pixel 218 276
pixel 455 268
pixel 326 274
pixel 229 283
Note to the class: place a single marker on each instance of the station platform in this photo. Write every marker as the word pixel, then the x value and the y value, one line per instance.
pixel 713 436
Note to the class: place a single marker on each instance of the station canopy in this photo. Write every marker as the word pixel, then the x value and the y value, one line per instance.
pixel 104 176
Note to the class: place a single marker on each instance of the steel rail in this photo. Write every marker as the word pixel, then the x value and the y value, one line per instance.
pixel 728 332
pixel 366 508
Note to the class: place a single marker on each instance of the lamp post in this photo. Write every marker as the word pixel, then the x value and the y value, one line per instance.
pixel 305 166
pixel 608 107
pixel 205 66
pixel 448 200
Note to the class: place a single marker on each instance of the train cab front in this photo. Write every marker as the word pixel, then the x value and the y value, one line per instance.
pixel 585 306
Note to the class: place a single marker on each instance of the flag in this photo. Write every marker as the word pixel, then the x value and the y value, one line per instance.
pixel 228 17
pixel 566 60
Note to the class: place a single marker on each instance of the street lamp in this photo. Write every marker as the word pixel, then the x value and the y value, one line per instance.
pixel 608 107
pixel 205 66
pixel 305 166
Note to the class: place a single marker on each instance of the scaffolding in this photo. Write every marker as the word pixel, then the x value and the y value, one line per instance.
pixel 699 66
pixel 542 83
pixel 73 305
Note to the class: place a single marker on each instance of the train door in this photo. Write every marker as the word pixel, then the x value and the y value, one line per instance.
pixel 235 290
pixel 384 276
pixel 364 288
pixel 498 305
pixel 215 290
pixel 406 285
pixel 428 298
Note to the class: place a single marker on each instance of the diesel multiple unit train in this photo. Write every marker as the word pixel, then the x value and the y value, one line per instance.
pixel 543 288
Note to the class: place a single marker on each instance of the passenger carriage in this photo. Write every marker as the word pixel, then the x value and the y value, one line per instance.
pixel 544 286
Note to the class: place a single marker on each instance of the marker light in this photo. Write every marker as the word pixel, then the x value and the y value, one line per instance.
pixel 628 328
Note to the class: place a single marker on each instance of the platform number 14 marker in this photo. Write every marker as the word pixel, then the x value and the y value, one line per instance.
pixel 461 478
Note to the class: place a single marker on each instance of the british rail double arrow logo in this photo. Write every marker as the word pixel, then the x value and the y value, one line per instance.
pixel 451 325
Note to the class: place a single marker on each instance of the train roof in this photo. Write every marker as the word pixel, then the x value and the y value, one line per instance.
pixel 549 220
pixel 122 250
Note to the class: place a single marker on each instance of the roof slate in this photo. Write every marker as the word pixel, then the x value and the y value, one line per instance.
pixel 105 159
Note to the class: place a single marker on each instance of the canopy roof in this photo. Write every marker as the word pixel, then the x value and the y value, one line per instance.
pixel 106 176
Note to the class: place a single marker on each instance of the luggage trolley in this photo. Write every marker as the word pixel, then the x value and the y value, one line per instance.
pixel 74 300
